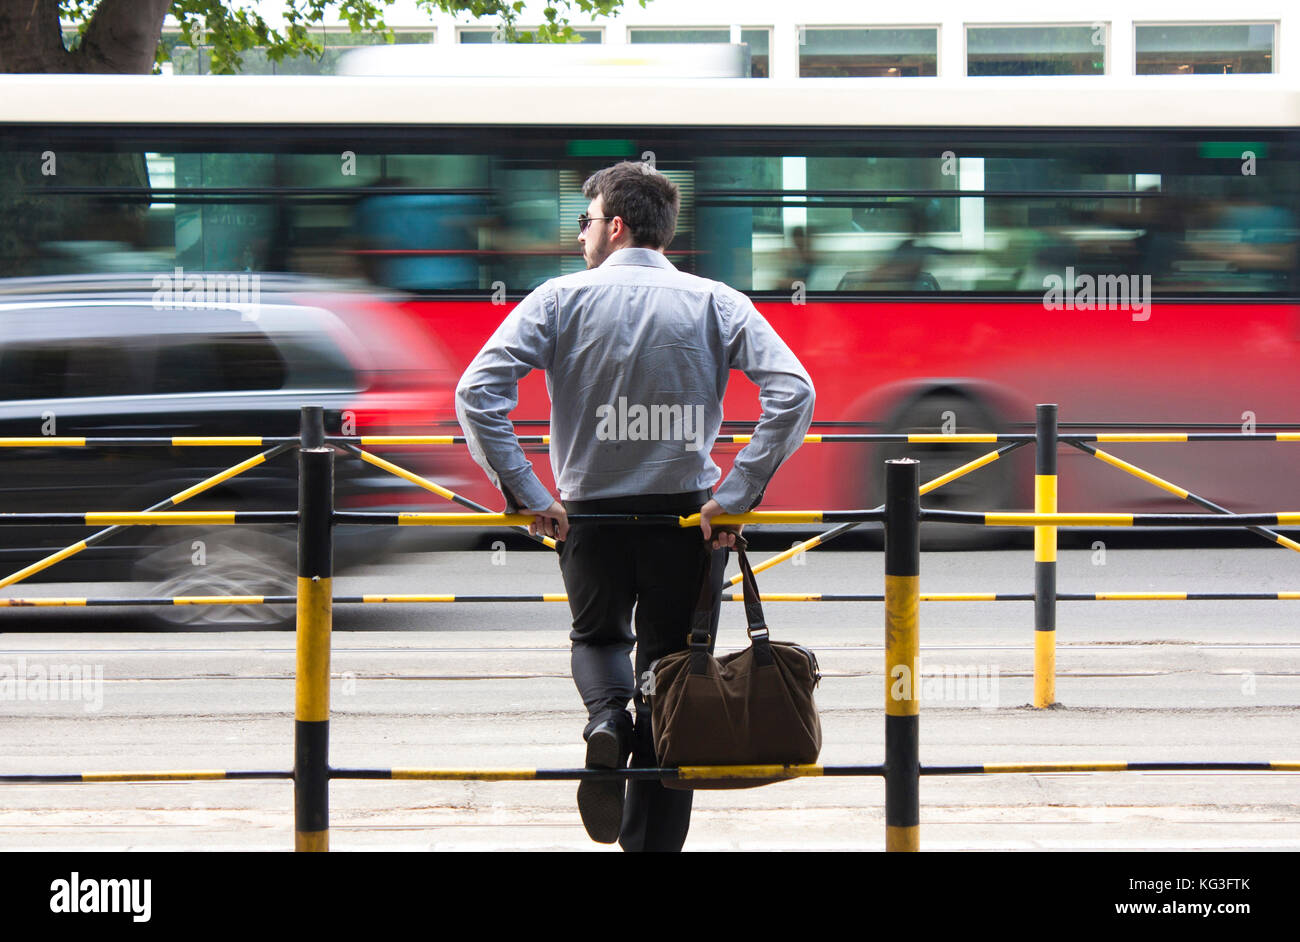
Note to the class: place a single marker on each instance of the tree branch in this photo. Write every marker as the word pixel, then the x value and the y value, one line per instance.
pixel 30 37
pixel 122 36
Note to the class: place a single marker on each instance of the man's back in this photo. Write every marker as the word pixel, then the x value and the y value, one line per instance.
pixel 637 381
pixel 637 358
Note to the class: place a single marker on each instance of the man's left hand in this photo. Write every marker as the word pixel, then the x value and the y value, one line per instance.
pixel 721 536
pixel 552 522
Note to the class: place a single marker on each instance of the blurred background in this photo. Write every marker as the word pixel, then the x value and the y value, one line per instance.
pixel 948 219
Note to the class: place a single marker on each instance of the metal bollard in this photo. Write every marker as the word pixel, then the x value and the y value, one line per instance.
pixel 1045 560
pixel 315 616
pixel 902 656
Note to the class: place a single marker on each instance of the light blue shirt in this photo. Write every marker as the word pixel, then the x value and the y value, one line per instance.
pixel 637 356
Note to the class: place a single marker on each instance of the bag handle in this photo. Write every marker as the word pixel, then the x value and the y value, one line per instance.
pixel 756 628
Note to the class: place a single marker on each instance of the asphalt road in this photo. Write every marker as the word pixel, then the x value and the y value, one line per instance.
pixel 487 685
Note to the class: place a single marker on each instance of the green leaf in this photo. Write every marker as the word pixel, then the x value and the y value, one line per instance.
pixel 227 29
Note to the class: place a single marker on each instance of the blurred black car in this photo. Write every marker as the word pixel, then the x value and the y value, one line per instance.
pixel 132 356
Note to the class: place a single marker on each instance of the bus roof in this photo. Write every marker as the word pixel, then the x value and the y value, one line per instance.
pixel 1195 101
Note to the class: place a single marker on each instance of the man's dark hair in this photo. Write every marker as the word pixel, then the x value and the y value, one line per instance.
pixel 646 199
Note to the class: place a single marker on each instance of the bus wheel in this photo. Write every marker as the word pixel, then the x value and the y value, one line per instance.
pixel 227 561
pixel 988 488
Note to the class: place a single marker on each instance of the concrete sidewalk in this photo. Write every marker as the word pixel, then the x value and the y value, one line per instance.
pixel 503 698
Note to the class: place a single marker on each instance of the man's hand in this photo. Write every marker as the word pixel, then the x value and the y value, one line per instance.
pixel 722 536
pixel 552 522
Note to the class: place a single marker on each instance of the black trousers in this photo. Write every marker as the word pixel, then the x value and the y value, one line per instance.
pixel 647 577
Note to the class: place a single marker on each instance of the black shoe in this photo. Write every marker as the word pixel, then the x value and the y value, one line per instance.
pixel 600 802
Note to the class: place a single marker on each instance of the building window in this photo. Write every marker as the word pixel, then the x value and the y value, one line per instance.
pixel 758 39
pixel 720 34
pixel 484 34
pixel 1036 50
pixel 869 52
pixel 1204 48
pixel 198 61
pixel 760 56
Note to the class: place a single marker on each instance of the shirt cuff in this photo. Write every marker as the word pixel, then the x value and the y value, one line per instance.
pixel 737 494
pixel 526 494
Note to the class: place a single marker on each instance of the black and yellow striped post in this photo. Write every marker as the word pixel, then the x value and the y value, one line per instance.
pixel 315 614
pixel 902 656
pixel 1045 561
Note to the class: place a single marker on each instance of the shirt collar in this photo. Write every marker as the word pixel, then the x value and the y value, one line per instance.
pixel 638 256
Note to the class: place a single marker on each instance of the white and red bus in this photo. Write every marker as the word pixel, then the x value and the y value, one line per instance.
pixel 940 255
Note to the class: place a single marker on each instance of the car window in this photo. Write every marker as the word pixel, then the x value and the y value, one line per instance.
pixel 104 366
pixel 56 369
pixel 201 363
pixel 316 362
pixel 32 371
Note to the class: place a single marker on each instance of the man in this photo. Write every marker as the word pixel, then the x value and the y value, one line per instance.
pixel 637 357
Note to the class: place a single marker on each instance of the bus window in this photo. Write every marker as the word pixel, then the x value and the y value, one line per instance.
pixel 990 215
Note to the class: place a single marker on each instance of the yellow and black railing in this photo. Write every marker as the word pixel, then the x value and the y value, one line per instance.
pixel 901 515
pixel 1005 519
pixel 116 527
pixel 448 598
pixel 183 775
pixel 902 656
pixel 315 622
pixel 1045 561
pixel 874 438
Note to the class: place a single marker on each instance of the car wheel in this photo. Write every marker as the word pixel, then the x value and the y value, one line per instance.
pixel 230 560
pixel 984 489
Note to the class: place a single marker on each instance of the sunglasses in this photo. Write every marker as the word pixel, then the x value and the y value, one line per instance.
pixel 584 221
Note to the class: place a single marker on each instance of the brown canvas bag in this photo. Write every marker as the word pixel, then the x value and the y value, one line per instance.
pixel 750 707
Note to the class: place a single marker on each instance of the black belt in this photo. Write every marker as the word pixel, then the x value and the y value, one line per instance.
pixel 688 502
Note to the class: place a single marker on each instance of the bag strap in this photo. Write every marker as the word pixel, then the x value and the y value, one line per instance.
pixel 698 640
pixel 757 625
pixel 703 615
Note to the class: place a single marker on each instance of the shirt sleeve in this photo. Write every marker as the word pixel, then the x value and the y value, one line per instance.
pixel 489 392
pixel 785 392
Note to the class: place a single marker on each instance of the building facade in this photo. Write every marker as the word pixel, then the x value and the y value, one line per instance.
pixel 847 39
